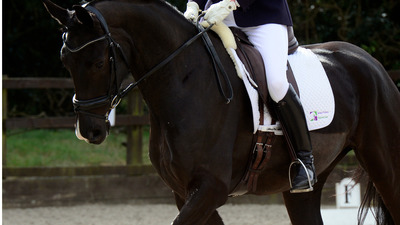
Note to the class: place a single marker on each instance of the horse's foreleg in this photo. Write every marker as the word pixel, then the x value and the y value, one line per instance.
pixel 214 219
pixel 205 194
pixel 305 208
pixel 179 201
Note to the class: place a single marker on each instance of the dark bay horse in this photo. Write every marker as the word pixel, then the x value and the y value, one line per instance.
pixel 200 145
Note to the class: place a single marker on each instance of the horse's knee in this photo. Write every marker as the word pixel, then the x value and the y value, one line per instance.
pixel 205 193
pixel 208 185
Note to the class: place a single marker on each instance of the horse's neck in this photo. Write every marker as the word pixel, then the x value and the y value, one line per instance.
pixel 154 22
pixel 156 30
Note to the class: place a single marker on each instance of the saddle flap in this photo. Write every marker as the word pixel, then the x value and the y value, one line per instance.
pixel 254 63
pixel 252 60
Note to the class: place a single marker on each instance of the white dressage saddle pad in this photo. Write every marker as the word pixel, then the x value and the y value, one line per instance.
pixel 314 90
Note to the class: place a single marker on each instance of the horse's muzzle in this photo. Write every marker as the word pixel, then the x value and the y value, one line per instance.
pixel 92 131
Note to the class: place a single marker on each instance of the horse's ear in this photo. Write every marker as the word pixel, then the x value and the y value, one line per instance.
pixel 83 15
pixel 58 13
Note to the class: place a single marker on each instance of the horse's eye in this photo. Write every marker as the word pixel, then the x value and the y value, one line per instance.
pixel 99 65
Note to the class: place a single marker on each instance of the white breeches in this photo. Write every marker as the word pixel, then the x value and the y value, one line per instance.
pixel 271 40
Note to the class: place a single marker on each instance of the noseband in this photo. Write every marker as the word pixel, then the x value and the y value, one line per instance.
pixel 112 100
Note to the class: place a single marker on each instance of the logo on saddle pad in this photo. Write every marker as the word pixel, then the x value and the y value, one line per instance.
pixel 319 115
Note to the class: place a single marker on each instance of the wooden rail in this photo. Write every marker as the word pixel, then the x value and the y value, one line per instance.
pixel 134 120
pixel 68 122
pixel 128 170
pixel 37 83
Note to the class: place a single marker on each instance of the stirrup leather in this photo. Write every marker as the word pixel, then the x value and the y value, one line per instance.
pixel 310 187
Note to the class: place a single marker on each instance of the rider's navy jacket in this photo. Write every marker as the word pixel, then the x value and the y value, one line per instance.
pixel 258 12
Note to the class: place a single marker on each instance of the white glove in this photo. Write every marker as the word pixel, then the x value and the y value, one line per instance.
pixel 219 11
pixel 192 11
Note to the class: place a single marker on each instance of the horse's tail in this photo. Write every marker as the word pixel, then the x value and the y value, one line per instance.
pixel 372 199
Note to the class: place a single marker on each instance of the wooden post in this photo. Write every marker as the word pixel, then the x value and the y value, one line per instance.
pixel 4 105
pixel 135 133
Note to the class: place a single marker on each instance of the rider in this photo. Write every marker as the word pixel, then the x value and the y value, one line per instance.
pixel 266 25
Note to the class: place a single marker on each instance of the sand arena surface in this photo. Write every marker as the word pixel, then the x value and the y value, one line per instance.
pixel 146 214
pixel 158 214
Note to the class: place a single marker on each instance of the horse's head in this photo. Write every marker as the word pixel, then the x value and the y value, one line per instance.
pixel 97 65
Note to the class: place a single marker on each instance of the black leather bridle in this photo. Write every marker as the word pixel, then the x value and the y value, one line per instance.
pixel 112 100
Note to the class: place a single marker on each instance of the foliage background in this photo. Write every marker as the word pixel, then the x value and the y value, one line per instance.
pixel 31 42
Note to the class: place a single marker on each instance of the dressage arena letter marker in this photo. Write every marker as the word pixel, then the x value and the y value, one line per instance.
pixel 347 194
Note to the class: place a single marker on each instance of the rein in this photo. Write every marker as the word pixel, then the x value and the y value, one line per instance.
pixel 217 64
pixel 82 106
pixel 163 63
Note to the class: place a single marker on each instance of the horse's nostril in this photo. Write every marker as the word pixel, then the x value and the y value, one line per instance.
pixel 96 133
pixel 96 136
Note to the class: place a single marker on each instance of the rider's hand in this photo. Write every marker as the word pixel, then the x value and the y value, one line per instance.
pixel 192 11
pixel 219 11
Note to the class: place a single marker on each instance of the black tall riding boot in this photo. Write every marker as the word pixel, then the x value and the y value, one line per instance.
pixel 291 115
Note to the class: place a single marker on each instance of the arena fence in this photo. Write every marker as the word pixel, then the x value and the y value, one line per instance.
pixel 134 120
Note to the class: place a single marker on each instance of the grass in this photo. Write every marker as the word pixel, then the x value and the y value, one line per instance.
pixel 50 148
pixel 55 148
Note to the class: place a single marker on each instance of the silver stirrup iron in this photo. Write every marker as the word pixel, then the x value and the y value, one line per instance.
pixel 310 187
